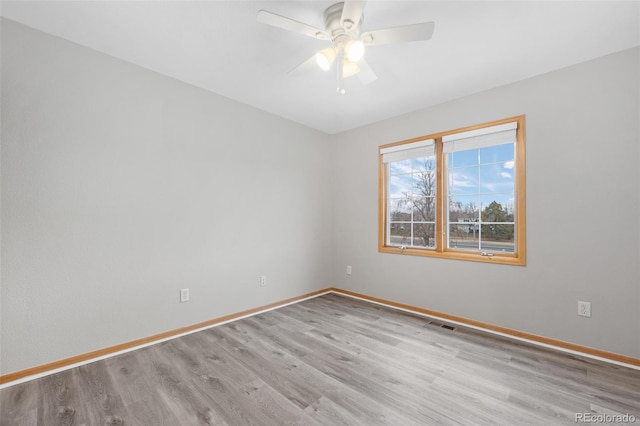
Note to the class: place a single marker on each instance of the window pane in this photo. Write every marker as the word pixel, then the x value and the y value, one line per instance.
pixel 400 186
pixel 497 208
pixel 481 193
pixel 424 183
pixel 399 167
pixel 399 234
pixel 497 153
pixel 463 209
pixel 463 180
pixel 400 209
pixel 424 235
pixel 498 238
pixel 424 209
pixel 411 202
pixel 424 163
pixel 464 237
pixel 496 178
pixel 462 158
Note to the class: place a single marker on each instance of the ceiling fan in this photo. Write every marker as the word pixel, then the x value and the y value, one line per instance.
pixel 342 24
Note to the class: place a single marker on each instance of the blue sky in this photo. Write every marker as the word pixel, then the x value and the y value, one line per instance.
pixel 475 176
pixel 485 173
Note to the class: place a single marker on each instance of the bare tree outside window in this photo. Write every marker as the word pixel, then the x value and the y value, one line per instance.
pixel 413 213
pixel 424 203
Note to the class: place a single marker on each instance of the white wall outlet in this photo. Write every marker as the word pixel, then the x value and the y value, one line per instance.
pixel 263 280
pixel 348 269
pixel 184 295
pixel 584 309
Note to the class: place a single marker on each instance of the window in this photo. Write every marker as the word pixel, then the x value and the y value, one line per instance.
pixel 457 194
pixel 411 194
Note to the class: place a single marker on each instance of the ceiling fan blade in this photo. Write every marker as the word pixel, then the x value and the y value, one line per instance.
pixel 366 74
pixel 403 34
pixel 351 13
pixel 306 65
pixel 289 24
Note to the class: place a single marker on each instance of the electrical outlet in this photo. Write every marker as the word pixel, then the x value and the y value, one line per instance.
pixel 348 269
pixel 263 281
pixel 584 309
pixel 184 295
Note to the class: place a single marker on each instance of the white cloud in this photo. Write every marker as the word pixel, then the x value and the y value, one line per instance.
pixel 509 164
pixel 506 175
pixel 461 180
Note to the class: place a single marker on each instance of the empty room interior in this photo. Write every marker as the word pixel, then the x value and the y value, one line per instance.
pixel 309 212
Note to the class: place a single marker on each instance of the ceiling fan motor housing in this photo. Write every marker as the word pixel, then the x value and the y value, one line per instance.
pixel 333 23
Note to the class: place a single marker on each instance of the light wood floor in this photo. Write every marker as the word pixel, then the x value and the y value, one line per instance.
pixel 331 360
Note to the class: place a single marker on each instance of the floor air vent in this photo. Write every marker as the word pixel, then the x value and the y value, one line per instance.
pixel 439 324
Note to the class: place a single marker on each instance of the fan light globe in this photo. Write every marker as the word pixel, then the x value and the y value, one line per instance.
pixel 354 50
pixel 325 58
pixel 349 68
pixel 322 61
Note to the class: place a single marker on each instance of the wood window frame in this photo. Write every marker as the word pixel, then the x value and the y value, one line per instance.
pixel 440 251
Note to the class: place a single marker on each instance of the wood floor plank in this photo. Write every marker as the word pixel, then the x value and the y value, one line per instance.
pixel 99 392
pixel 332 413
pixel 367 379
pixel 292 360
pixel 177 389
pixel 58 399
pixel 20 407
pixel 297 393
pixel 329 360
pixel 333 387
pixel 226 384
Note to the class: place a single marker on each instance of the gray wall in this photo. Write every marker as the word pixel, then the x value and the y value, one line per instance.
pixel 582 146
pixel 121 186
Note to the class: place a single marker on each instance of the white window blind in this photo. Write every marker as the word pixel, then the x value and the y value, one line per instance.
pixel 424 148
pixel 480 138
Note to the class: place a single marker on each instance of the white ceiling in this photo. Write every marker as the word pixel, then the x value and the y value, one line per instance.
pixel 219 46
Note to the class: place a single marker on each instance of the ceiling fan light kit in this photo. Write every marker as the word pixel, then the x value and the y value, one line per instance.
pixel 325 58
pixel 342 23
pixel 349 68
pixel 354 50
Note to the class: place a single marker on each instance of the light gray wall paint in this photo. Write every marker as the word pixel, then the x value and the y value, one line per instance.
pixel 121 186
pixel 582 146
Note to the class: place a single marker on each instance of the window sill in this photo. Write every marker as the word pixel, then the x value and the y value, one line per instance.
pixel 502 259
